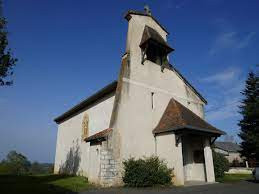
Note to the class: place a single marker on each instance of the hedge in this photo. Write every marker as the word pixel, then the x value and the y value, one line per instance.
pixel 146 172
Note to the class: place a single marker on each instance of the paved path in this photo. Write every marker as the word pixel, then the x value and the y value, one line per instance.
pixel 243 187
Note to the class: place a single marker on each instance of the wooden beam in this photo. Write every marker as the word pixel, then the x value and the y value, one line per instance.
pixel 177 139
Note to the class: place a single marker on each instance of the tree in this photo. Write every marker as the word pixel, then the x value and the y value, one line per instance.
pixel 249 130
pixel 7 61
pixel 36 168
pixel 221 164
pixel 16 163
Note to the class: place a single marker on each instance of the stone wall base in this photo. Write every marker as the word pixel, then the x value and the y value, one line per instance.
pixel 109 173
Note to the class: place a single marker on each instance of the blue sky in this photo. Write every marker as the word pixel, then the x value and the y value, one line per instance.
pixel 69 49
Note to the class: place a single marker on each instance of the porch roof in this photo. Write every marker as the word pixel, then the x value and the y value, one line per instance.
pixel 100 136
pixel 179 119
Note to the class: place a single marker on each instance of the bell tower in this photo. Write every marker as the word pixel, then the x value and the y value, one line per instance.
pixel 146 39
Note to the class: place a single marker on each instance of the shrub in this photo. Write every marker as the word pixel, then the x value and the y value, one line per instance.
pixel 15 163
pixel 221 164
pixel 146 172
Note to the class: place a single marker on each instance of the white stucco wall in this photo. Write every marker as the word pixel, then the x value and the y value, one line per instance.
pixel 167 150
pixel 70 132
pixel 135 116
pixel 233 155
pixel 192 170
pixel 136 119
pixel 210 175
pixel 229 155
pixel 136 94
pixel 225 153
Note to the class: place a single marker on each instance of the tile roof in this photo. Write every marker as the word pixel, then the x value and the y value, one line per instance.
pixel 177 117
pixel 99 136
pixel 228 146
pixel 150 34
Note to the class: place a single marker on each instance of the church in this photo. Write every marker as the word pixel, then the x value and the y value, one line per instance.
pixel 150 110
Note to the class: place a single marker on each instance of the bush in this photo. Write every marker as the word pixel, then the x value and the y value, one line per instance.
pixel 146 172
pixel 221 164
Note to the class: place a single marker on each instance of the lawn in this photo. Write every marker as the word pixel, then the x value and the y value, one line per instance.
pixel 39 184
pixel 233 178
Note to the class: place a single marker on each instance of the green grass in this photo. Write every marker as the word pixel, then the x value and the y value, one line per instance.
pixel 233 178
pixel 39 184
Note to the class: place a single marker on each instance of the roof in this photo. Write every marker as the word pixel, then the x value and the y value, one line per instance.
pixel 150 34
pixel 88 101
pixel 142 13
pixel 227 146
pixel 177 117
pixel 99 136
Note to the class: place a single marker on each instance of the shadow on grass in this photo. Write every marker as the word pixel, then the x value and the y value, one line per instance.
pixel 12 184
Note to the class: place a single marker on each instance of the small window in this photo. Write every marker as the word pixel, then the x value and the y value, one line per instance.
pixel 198 156
pixel 152 101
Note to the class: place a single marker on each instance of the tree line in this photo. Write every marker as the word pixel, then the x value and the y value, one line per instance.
pixel 17 164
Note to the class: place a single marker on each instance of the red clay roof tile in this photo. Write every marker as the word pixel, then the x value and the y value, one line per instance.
pixel 100 135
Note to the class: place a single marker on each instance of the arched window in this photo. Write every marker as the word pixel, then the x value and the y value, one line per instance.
pixel 85 126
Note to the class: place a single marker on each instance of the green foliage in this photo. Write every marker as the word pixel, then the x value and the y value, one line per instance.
pixel 234 178
pixel 249 124
pixel 37 168
pixel 7 62
pixel 15 163
pixel 4 168
pixel 18 164
pixel 146 172
pixel 221 164
pixel 73 183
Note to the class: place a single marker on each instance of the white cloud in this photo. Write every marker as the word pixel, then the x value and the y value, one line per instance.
pixel 222 77
pixel 175 4
pixel 227 87
pixel 228 109
pixel 246 40
pixel 231 40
